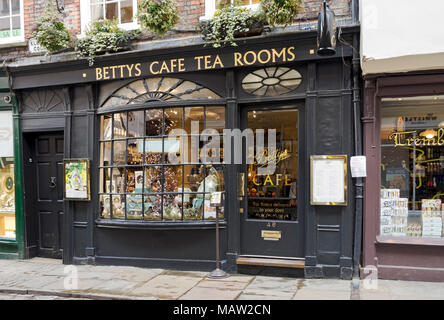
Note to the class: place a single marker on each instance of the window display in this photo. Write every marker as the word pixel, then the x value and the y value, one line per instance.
pixel 7 196
pixel 412 167
pixel 137 179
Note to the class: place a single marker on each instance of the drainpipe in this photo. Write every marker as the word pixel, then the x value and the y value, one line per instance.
pixel 359 186
pixel 355 11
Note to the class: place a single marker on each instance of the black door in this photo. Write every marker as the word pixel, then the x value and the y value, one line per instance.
pixel 272 216
pixel 44 193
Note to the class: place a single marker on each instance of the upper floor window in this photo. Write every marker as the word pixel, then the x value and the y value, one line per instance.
pixel 212 5
pixel 11 21
pixel 124 11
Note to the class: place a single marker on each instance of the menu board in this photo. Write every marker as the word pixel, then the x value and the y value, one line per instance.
pixel 328 179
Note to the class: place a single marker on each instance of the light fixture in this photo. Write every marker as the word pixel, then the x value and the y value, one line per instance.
pixel 326 39
pixel 429 133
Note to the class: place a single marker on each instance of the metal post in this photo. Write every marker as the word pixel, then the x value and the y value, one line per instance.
pixel 218 273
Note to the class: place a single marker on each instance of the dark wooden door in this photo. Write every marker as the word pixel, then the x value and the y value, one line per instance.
pixel 49 194
pixel 272 218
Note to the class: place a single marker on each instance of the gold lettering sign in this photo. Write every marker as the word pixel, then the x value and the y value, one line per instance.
pixel 271 235
pixel 204 62
pixel 407 138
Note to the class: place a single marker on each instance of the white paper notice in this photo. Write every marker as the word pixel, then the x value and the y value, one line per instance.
pixel 328 180
pixel 358 167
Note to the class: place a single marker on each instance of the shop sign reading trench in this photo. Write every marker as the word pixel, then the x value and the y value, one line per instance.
pixel 193 63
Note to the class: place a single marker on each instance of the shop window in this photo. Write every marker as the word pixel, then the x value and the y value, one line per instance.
pixel 412 166
pixel 138 178
pixel 11 21
pixel 124 11
pixel 7 198
pixel 212 5
pixel 271 81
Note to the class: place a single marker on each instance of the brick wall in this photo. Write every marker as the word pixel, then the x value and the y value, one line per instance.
pixel 189 13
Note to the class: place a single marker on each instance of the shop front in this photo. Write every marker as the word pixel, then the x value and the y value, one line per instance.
pixel 156 132
pixel 403 141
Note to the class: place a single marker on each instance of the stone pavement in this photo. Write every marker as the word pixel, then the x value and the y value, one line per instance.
pixel 49 279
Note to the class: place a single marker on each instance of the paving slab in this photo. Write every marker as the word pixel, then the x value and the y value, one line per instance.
pixel 273 286
pixel 326 284
pixel 166 286
pixel 39 282
pixel 318 294
pixel 203 293
pixel 198 274
pixel 142 275
pixel 247 296
pixel 117 287
pixel 231 285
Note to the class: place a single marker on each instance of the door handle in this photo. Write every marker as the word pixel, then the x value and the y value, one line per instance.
pixel 52 182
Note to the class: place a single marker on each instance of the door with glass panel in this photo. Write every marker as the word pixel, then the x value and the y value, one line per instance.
pixel 271 223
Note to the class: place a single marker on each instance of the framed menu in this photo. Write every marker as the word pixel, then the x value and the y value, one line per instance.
pixel 328 180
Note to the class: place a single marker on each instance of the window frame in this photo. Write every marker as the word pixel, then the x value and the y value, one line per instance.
pixel 16 39
pixel 144 107
pixel 85 16
pixel 210 8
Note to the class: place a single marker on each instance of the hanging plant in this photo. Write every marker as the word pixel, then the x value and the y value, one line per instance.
pixel 280 11
pixel 158 16
pixel 230 22
pixel 104 36
pixel 51 33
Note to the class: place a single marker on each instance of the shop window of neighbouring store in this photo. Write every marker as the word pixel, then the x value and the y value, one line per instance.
pixel 11 21
pixel 147 168
pixel 7 200
pixel 412 166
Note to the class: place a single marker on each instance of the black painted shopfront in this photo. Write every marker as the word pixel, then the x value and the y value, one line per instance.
pixel 146 211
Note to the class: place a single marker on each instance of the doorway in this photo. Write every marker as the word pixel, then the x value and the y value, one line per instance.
pixel 43 172
pixel 272 208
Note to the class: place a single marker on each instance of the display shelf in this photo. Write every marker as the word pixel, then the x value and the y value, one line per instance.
pixel 418 241
pixel 159 225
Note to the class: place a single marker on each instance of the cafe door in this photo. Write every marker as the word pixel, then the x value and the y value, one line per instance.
pixel 272 205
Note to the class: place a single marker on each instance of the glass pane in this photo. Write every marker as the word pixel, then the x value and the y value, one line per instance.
pixel 5 31
pixel 136 127
pixel 119 152
pixel 105 153
pixel 195 116
pixel 134 206
pixel 193 177
pixel 105 127
pixel 274 195
pixel 152 206
pixel 118 206
pixel 173 178
pixel 412 166
pixel 15 6
pixel 215 118
pixel 172 204
pixel 120 125
pixel 193 206
pixel 16 31
pixel 153 179
pixel 7 199
pixel 134 180
pixel 96 12
pixel 105 206
pixel 135 151
pixel 117 181
pixel 173 120
pixel 126 11
pixel 153 124
pixel 4 8
pixel 153 151
pixel 111 11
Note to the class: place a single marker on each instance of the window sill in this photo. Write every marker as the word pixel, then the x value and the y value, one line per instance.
pixel 159 225
pixel 388 240
pixel 8 240
pixel 13 43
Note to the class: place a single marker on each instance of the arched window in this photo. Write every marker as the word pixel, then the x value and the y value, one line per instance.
pixel 148 147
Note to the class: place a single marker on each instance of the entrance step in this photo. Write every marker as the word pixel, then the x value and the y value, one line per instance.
pixel 271 266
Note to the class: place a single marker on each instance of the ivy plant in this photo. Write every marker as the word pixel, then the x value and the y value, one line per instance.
pixel 280 12
pixel 51 32
pixel 158 16
pixel 228 22
pixel 104 36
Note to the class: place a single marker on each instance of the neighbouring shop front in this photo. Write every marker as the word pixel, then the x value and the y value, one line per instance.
pixel 133 115
pixel 403 141
pixel 11 228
